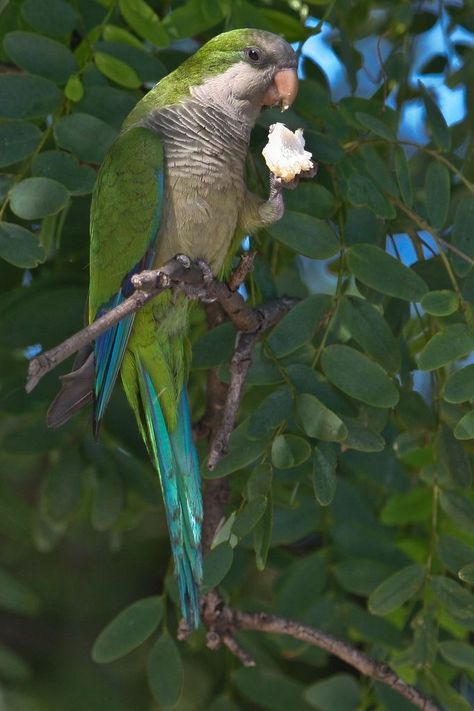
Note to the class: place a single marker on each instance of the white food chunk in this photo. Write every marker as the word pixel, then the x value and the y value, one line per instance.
pixel 285 154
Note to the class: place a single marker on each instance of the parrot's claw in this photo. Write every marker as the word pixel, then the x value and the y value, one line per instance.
pixel 206 271
pixel 184 260
pixel 279 183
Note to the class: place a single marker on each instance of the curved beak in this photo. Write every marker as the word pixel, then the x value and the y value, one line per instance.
pixel 282 90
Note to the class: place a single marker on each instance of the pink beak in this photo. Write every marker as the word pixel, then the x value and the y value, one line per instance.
pixel 283 89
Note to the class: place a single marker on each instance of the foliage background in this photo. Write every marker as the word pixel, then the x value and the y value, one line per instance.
pixel 351 469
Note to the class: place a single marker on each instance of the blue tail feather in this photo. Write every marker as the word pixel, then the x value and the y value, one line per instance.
pixel 176 460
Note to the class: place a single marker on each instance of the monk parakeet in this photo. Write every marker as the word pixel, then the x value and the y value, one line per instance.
pixel 173 182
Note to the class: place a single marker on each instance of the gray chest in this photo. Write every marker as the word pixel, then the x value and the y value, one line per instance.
pixel 204 186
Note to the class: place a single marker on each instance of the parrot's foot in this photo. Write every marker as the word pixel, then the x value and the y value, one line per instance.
pixel 198 291
pixel 278 183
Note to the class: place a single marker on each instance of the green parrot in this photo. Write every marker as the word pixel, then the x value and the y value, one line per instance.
pixel 173 182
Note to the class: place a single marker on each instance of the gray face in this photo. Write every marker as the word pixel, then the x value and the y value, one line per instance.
pixel 249 84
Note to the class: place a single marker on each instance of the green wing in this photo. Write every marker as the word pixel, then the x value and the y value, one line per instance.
pixel 125 218
pixel 126 212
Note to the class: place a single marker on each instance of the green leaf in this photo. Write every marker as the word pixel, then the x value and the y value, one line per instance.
pixel 368 327
pixel 24 96
pixel 436 121
pixel 62 489
pixel 260 481
pixel 248 518
pixel 438 193
pixel 453 462
pixel 361 437
pixel 289 451
pixel 362 191
pixel 275 409
pixel 340 691
pixel 467 572
pixel 86 136
pixel 459 387
pixel 128 630
pixel 318 420
pixel 376 126
pixel 324 474
pixel 463 235
pixel 402 171
pixel 299 325
pixel 382 272
pixel 34 198
pixel 214 347
pixel 40 55
pixel 397 589
pixel 165 671
pixel 51 17
pixel 217 564
pixel 146 23
pixel 458 654
pixel 411 507
pixel 116 70
pixel 325 147
pixel 465 427
pixel 113 33
pixel 311 199
pixel 15 596
pixel 241 452
pixel 195 17
pixel 293 591
pixel 357 376
pixel 108 499
pixel 457 601
pixel 459 509
pixel 63 167
pixel 377 168
pixel 74 89
pixel 270 690
pixel 454 553
pixel 12 667
pixel 18 140
pixel 19 246
pixel 453 343
pixel 361 575
pixel 148 68
pixel 440 303
pixel 262 535
pixel 306 235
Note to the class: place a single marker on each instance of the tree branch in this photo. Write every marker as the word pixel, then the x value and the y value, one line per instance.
pixel 223 622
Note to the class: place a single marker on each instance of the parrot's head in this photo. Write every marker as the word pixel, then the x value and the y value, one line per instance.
pixel 244 69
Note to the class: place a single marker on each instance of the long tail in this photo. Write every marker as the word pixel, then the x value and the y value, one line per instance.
pixel 175 459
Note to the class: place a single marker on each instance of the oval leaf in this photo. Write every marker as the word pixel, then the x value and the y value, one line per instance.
pixel 467 573
pixel 299 325
pixel 19 246
pixel 397 589
pixel 362 191
pixel 438 193
pixel 128 630
pixel 24 96
pixel 459 654
pixel 40 55
pixel 53 17
pixel 306 235
pixel 217 564
pixel 117 70
pixel 165 671
pixel 86 136
pixel 318 420
pixel 289 451
pixel 34 198
pixel 459 386
pixel 453 343
pixel 324 474
pixel 377 269
pixel 465 427
pixel 357 376
pixel 18 140
pixel 440 303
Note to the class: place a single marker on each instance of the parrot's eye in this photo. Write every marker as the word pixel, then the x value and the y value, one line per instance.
pixel 253 54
